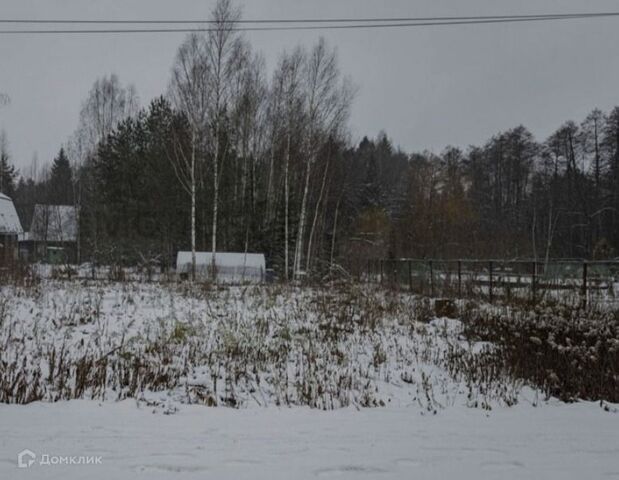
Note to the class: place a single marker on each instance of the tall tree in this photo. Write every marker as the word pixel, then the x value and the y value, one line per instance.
pixel 8 174
pixel 189 92
pixel 61 180
pixel 327 100
pixel 611 147
pixel 107 104
pixel 223 50
pixel 288 90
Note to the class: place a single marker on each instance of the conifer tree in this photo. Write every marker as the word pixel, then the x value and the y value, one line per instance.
pixel 8 174
pixel 61 181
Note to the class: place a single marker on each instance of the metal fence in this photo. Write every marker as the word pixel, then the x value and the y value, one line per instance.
pixel 569 282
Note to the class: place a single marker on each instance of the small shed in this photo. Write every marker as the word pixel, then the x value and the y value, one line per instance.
pixel 53 235
pixel 231 267
pixel 10 229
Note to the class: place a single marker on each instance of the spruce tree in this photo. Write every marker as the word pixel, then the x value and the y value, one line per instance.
pixel 8 173
pixel 61 181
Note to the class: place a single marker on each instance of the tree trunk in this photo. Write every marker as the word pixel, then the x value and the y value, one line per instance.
pixel 215 203
pixel 298 254
pixel 311 235
pixel 267 216
pixel 193 205
pixel 286 207
pixel 337 209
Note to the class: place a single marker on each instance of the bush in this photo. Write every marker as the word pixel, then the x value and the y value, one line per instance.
pixel 570 353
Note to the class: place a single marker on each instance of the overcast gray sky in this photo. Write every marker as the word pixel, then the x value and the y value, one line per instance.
pixel 426 87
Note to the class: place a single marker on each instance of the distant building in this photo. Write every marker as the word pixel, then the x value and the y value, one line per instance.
pixel 231 267
pixel 10 229
pixel 53 235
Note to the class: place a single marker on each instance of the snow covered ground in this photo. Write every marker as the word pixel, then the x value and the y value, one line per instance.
pixel 169 344
pixel 552 441
pixel 125 374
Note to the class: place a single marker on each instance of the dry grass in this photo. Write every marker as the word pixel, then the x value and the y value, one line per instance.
pixel 325 347
pixel 322 347
pixel 570 353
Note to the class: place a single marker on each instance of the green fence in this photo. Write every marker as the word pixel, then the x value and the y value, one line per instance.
pixel 565 281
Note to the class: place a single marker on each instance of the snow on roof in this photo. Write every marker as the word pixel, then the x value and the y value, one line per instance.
pixel 54 223
pixel 9 221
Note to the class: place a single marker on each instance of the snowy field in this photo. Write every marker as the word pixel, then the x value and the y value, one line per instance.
pixel 554 441
pixel 315 383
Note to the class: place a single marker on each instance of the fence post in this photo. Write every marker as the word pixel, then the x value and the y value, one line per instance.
pixel 459 278
pixel 584 283
pixel 490 281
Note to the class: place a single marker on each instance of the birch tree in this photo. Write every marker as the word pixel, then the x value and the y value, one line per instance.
pixel 288 81
pixel 591 133
pixel 249 111
pixel 189 93
pixel 223 46
pixel 107 104
pixel 327 102
pixel 273 118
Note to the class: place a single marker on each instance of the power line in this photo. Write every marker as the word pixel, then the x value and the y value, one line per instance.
pixel 316 27
pixel 316 20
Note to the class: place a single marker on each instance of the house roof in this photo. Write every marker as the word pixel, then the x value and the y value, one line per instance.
pixel 54 223
pixel 9 221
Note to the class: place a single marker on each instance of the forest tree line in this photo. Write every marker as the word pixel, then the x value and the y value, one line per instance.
pixel 234 158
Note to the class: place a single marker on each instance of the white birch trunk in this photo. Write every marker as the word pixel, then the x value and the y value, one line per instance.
pixel 316 212
pixel 193 205
pixel 267 216
pixel 215 203
pixel 286 206
pixel 298 254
